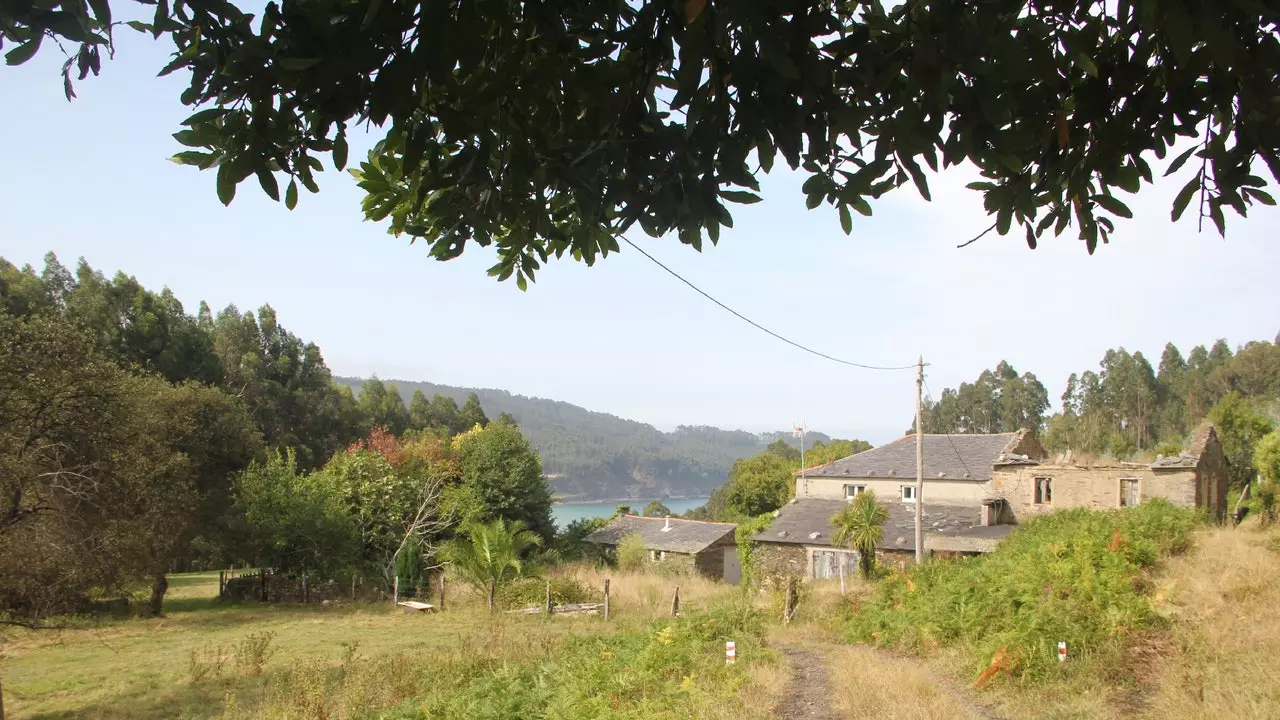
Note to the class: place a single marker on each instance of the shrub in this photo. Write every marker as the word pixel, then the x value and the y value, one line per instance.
pixel 669 668
pixel 751 575
pixel 532 592
pixel 1073 576
pixel 631 553
pixel 206 662
pixel 253 652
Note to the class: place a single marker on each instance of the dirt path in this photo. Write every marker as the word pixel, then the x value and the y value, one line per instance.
pixel 871 684
pixel 809 693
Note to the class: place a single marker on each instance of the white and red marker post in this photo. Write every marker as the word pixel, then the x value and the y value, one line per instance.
pixel 1062 652
pixel 730 652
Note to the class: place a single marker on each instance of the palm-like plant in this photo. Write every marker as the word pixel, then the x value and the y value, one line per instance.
pixel 488 554
pixel 859 526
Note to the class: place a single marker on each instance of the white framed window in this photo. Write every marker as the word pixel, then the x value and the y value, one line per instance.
pixel 1043 491
pixel 853 491
pixel 908 493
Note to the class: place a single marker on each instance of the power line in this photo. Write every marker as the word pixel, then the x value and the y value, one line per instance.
pixel 949 440
pixel 757 325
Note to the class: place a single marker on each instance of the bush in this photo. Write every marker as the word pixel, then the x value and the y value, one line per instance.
pixel 631 553
pixel 253 652
pixel 206 662
pixel 1075 576
pixel 532 592
pixel 671 668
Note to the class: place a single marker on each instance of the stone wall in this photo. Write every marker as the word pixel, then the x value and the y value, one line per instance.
pixel 1211 471
pixel 1095 487
pixel 781 559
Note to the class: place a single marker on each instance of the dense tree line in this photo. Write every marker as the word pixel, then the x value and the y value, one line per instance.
pixel 137 439
pixel 592 454
pixel 1000 400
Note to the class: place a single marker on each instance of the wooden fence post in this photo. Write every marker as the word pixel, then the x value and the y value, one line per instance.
pixel 842 577
pixel 262 585
pixel 606 600
pixel 306 596
pixel 675 603
pixel 395 591
pixel 353 587
pixel 788 604
pixel 442 589
pixel 548 596
pixel 222 582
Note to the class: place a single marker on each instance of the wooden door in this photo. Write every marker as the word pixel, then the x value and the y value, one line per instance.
pixel 1129 492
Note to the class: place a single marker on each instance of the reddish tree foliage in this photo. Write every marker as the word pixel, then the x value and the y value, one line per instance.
pixel 381 441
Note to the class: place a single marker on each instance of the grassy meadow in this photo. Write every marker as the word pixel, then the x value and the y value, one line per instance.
pixel 347 661
pixel 1188 633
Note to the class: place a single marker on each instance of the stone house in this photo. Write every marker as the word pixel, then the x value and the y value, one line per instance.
pixel 706 548
pixel 975 488
pixel 798 541
pixel 1029 486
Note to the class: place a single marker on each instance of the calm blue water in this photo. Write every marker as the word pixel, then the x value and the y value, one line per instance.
pixel 565 513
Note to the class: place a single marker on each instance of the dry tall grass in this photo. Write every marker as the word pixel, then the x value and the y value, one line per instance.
pixel 868 684
pixel 1225 602
pixel 648 594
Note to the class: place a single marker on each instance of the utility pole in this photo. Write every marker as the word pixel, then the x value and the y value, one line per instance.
pixel 799 432
pixel 919 463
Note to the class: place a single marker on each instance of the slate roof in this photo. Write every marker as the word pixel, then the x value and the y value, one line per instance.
pixel 1182 461
pixel 957 457
pixel 684 536
pixel 800 518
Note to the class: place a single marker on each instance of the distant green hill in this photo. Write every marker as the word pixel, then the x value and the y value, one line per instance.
pixel 593 455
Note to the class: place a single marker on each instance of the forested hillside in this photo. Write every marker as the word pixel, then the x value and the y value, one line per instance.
pixel 595 455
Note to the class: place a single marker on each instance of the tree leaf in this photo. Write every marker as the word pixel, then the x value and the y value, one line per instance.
pixel 521 282
pixel 340 149
pixel 1086 63
pixel 846 221
pixel 1113 206
pixel 1184 197
pixel 860 204
pixel 291 194
pixel 226 183
pixel 813 200
pixel 1261 196
pixel 191 157
pixel 23 52
pixel 102 12
pixel 740 196
pixel 297 64
pixel 1128 178
pixel 269 185
pixel 692 9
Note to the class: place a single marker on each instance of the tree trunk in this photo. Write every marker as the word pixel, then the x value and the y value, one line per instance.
pixel 158 589
pixel 493 593
pixel 867 559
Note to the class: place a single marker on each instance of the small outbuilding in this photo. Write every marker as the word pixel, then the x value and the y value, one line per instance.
pixel 705 548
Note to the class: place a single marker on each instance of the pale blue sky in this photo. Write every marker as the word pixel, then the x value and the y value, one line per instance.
pixel 90 178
